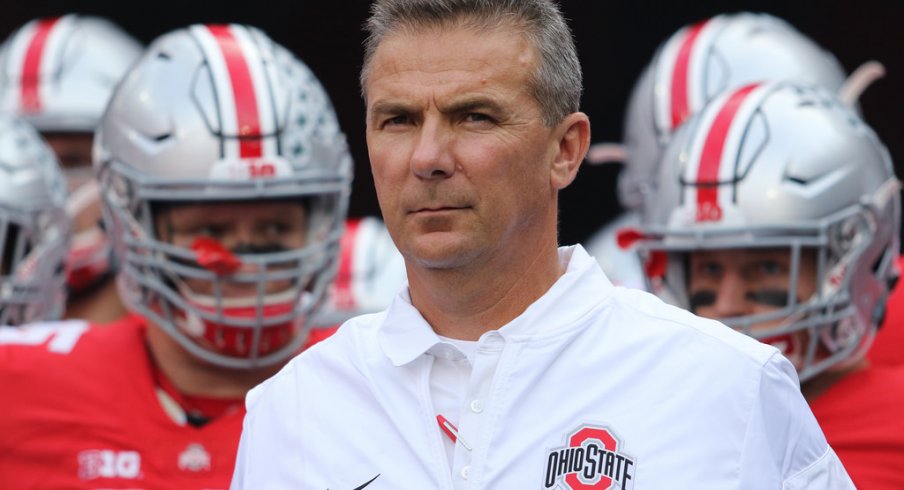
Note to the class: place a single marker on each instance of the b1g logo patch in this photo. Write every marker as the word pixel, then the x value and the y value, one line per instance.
pixel 590 460
pixel 109 463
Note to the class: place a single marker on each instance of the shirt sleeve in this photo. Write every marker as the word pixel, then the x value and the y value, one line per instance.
pixel 242 458
pixel 784 446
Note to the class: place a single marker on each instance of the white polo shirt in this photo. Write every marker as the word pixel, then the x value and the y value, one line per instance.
pixel 592 387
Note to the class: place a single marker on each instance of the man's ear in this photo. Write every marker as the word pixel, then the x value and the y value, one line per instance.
pixel 574 139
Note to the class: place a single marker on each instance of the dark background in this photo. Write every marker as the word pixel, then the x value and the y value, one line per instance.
pixel 615 41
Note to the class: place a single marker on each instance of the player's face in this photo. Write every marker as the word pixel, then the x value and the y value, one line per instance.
pixel 73 150
pixel 457 145
pixel 739 282
pixel 242 228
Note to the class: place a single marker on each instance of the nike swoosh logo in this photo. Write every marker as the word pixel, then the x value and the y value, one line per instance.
pixel 368 482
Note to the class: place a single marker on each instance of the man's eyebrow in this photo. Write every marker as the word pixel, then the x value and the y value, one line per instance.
pixel 391 107
pixel 473 104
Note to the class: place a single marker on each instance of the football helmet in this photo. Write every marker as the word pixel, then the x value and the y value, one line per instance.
pixel 701 61
pixel 34 227
pixel 58 74
pixel 371 271
pixel 221 113
pixel 783 166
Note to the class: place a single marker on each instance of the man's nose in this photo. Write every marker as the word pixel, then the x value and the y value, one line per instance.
pixel 431 159
pixel 731 297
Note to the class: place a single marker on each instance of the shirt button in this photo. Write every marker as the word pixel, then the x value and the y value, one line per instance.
pixel 477 406
pixel 465 472
pixel 492 341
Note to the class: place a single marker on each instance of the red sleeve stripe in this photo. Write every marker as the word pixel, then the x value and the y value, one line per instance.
pixel 31 67
pixel 708 208
pixel 248 122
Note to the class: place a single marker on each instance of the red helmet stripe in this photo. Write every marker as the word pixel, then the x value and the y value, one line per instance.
pixel 680 86
pixel 31 68
pixel 711 156
pixel 246 112
pixel 344 298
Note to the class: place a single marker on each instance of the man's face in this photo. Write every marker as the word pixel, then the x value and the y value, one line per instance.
pixel 459 153
pixel 739 282
pixel 243 228
pixel 73 150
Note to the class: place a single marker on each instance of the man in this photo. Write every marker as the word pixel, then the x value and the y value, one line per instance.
pixel 779 214
pixel 58 73
pixel 507 363
pixel 225 182
pixel 694 65
pixel 34 227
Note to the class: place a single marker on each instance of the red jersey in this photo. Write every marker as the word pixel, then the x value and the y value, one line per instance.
pixel 81 410
pixel 888 348
pixel 861 416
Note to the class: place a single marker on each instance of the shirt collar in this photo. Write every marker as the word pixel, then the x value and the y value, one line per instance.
pixel 579 290
pixel 405 334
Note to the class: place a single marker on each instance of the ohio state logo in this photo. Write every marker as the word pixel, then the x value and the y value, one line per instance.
pixel 590 460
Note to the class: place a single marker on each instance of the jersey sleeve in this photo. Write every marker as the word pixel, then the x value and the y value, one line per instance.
pixel 784 446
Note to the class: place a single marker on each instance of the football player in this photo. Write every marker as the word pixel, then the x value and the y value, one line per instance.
pixel 778 213
pixel 690 68
pixel 224 180
pixel 34 226
pixel 58 73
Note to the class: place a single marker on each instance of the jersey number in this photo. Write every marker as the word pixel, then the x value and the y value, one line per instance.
pixel 60 337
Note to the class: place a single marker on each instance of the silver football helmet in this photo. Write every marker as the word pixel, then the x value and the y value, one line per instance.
pixel 699 62
pixel 58 73
pixel 34 227
pixel 783 166
pixel 214 113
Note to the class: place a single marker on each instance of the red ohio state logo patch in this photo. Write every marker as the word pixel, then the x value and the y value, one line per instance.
pixel 590 460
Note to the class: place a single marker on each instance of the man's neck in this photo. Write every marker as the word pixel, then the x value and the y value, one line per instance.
pixel 99 306
pixel 465 303
pixel 194 377
pixel 821 383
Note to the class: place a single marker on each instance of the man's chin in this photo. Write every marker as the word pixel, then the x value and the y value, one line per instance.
pixel 441 251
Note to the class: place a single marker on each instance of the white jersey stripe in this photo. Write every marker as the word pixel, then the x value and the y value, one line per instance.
pixel 225 100
pixel 258 68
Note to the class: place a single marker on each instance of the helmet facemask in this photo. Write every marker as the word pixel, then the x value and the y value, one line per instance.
pixel 842 258
pixel 33 245
pixel 189 289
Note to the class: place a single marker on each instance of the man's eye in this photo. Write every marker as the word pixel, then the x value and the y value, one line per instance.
pixel 396 120
pixel 770 267
pixel 708 269
pixel 211 230
pixel 276 228
pixel 478 117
